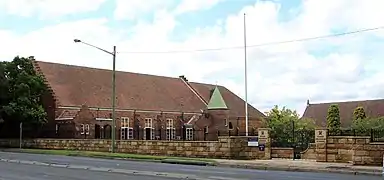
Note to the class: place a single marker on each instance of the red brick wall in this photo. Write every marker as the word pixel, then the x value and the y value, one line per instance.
pixel 215 120
pixel 253 124
pixel 137 122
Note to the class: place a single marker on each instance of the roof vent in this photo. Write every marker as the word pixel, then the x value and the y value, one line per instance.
pixel 307 102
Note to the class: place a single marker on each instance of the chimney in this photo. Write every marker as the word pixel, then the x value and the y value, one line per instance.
pixel 184 78
pixel 307 102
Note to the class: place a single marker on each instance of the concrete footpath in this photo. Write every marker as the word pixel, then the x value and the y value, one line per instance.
pixel 301 166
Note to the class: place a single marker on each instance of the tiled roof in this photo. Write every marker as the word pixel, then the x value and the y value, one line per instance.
pixel 76 85
pixel 318 112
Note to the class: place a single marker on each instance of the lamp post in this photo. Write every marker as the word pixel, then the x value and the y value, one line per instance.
pixel 113 88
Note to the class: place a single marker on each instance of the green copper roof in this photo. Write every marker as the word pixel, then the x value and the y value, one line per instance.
pixel 217 101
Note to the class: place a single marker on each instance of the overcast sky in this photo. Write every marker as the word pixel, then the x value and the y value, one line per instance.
pixel 333 69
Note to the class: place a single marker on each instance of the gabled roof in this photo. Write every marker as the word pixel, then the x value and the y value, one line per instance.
pixel 217 101
pixel 318 112
pixel 76 85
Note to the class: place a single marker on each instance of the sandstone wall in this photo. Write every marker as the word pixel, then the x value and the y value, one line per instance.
pixel 354 149
pixel 310 152
pixel 358 150
pixel 226 147
pixel 340 148
pixel 367 153
pixel 286 153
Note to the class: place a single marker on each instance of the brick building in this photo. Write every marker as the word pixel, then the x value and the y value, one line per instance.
pixel 318 111
pixel 147 106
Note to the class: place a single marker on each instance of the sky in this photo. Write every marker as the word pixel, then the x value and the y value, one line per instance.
pixel 163 37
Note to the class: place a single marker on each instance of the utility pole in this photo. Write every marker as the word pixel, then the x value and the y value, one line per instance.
pixel 114 100
pixel 21 135
pixel 245 78
pixel 113 89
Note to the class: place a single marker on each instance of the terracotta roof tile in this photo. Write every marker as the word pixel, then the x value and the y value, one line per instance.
pixel 318 112
pixel 76 85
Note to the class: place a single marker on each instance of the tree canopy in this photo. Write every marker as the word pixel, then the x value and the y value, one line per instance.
pixel 280 118
pixel 21 89
pixel 283 122
pixel 359 114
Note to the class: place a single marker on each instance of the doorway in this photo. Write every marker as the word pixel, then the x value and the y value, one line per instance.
pixel 107 132
pixel 148 133
pixel 97 131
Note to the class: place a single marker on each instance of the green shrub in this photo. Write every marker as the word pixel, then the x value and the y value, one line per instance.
pixel 333 118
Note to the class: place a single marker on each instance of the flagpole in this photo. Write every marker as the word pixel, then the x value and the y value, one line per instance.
pixel 245 78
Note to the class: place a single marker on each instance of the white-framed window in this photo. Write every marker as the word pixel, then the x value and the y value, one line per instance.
pixel 170 129
pixel 189 134
pixel 82 129
pixel 148 128
pixel 148 123
pixel 124 122
pixel 87 129
pixel 126 129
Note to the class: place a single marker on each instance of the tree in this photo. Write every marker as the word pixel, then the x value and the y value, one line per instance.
pixel 23 89
pixel 359 114
pixel 3 86
pixel 333 118
pixel 283 122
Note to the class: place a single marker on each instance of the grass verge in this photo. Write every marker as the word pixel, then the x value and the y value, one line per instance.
pixel 163 159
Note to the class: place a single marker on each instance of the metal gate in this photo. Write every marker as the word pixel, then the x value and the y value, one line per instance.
pixel 289 136
pixel 302 139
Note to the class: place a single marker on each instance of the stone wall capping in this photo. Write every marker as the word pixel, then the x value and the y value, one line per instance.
pixel 351 137
pixel 282 148
pixel 377 143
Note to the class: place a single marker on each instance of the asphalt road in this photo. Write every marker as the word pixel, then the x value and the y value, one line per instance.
pixel 12 171
pixel 82 168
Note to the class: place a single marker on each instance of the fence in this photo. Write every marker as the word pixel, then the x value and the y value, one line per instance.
pixel 301 138
pixel 377 135
pixel 348 132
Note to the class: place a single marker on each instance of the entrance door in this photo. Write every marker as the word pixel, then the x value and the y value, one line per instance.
pixel 107 132
pixel 148 133
pixel 97 131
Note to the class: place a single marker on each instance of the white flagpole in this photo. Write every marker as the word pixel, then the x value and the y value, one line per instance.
pixel 245 78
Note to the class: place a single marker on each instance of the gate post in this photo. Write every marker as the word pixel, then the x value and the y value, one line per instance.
pixel 321 136
pixel 265 140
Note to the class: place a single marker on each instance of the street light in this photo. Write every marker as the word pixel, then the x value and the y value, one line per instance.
pixel 113 88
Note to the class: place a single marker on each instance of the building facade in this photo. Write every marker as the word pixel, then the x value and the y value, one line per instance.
pixel 148 107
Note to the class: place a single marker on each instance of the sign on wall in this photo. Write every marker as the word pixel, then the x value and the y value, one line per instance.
pixel 253 141
pixel 262 147
pixel 321 136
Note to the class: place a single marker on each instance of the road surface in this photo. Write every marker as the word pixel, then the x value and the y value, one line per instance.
pixel 20 166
